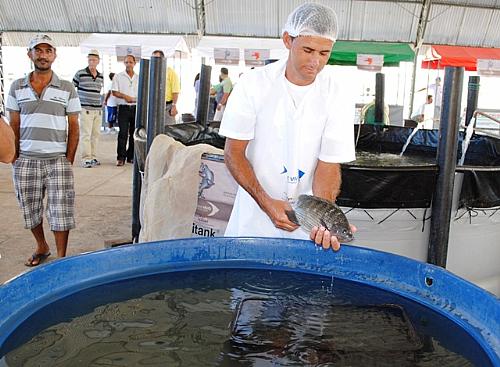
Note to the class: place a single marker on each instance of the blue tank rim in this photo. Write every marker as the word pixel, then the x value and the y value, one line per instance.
pixel 474 309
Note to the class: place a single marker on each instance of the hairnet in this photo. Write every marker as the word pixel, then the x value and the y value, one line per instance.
pixel 312 20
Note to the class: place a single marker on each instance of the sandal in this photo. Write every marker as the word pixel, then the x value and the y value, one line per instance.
pixel 38 258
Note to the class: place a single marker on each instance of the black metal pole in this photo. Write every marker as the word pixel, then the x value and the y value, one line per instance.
pixel 379 98
pixel 472 98
pixel 156 105
pixel 447 161
pixel 141 114
pixel 203 95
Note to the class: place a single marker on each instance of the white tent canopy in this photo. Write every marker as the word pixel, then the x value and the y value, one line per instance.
pixel 106 43
pixel 208 43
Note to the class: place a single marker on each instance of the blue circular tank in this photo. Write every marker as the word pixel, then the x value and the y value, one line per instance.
pixel 477 312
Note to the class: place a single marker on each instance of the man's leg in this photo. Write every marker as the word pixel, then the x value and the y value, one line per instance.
pixel 131 126
pixel 96 132
pixel 121 148
pixel 42 247
pixel 85 135
pixel 61 238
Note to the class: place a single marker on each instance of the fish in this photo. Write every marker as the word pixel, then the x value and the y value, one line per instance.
pixel 310 211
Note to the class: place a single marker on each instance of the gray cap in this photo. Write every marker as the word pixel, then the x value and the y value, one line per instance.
pixel 39 39
pixel 312 19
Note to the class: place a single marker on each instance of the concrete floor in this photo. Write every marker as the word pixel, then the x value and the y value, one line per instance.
pixel 103 211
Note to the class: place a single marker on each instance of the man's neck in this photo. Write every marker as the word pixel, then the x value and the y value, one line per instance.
pixel 130 73
pixel 40 76
pixel 93 70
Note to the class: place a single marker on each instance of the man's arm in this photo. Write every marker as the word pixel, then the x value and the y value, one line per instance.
pixel 327 180
pixel 7 145
pixel 15 124
pixel 242 171
pixel 326 184
pixel 127 98
pixel 73 136
pixel 173 110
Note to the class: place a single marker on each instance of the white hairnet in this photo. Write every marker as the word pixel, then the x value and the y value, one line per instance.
pixel 312 19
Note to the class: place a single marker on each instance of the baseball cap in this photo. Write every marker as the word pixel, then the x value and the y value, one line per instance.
pixel 39 39
pixel 93 52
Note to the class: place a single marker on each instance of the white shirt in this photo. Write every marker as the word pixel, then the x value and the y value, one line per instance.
pixel 111 99
pixel 286 138
pixel 123 83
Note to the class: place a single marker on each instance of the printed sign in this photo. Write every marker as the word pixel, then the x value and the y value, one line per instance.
pixel 256 57
pixel 216 195
pixel 227 56
pixel 488 67
pixel 370 62
pixel 123 50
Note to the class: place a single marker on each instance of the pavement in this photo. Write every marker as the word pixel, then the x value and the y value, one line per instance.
pixel 103 211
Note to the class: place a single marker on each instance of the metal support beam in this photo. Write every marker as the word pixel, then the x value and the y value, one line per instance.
pixel 200 17
pixel 472 98
pixel 447 161
pixel 141 115
pixel 379 98
pixel 156 103
pixel 422 26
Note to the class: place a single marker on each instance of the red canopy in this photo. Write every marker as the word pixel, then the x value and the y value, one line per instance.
pixel 459 56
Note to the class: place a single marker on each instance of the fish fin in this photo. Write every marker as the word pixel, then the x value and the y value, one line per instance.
pixel 292 217
pixel 323 223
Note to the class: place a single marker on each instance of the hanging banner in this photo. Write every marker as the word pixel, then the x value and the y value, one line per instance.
pixel 227 56
pixel 488 67
pixel 123 50
pixel 256 57
pixel 370 62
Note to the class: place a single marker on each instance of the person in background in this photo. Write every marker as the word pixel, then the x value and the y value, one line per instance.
pixel 44 116
pixel 227 86
pixel 172 90
pixel 89 83
pixel 424 113
pixel 288 126
pixel 111 106
pixel 7 146
pixel 125 88
pixel 196 86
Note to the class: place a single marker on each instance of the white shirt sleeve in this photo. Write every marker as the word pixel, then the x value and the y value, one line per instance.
pixel 12 104
pixel 239 117
pixel 114 84
pixel 337 142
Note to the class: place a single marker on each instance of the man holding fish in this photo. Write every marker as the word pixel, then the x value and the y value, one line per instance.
pixel 288 127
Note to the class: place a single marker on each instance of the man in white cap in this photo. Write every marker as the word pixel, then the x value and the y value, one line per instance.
pixel 288 126
pixel 89 83
pixel 44 116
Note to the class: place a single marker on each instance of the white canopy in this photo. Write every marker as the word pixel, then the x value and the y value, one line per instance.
pixel 208 43
pixel 106 43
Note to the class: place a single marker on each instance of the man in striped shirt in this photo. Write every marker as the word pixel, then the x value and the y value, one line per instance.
pixel 89 83
pixel 44 116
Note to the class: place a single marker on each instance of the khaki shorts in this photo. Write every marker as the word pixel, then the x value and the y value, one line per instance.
pixel 32 179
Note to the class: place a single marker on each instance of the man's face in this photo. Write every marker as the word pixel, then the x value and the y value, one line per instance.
pixel 93 61
pixel 129 63
pixel 308 56
pixel 42 55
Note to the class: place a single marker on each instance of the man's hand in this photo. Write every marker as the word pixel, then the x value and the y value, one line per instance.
pixel 276 211
pixel 219 106
pixel 324 238
pixel 173 111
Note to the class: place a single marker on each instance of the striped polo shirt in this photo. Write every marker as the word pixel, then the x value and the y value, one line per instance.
pixel 89 89
pixel 43 129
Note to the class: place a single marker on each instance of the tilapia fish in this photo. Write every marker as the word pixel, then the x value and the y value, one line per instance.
pixel 311 211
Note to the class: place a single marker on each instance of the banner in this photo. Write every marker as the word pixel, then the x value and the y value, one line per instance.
pixel 123 50
pixel 256 57
pixel 488 67
pixel 370 62
pixel 227 56
pixel 216 194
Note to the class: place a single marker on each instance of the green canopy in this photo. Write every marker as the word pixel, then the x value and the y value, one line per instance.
pixel 345 52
